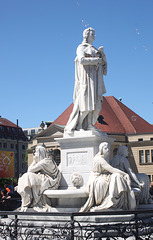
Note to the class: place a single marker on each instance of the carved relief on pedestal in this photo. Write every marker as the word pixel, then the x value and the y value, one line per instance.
pixel 77 158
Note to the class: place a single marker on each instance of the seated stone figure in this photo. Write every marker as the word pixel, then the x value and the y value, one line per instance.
pixel 109 188
pixel 139 182
pixel 42 174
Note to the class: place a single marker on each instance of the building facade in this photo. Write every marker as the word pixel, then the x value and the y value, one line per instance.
pixel 13 140
pixel 120 123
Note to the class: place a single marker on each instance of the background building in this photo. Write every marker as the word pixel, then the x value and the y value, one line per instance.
pixel 13 142
pixel 30 133
pixel 119 122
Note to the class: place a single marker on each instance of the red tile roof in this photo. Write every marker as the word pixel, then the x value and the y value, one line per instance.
pixel 118 119
pixel 7 123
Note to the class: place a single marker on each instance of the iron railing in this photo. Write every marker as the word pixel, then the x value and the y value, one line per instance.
pixel 79 226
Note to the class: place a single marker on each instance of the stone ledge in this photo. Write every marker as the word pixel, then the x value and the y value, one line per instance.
pixel 66 193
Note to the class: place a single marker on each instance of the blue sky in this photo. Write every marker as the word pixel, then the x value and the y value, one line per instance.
pixel 38 44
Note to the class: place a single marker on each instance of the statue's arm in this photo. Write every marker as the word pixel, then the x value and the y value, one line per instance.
pixel 130 172
pixel 103 56
pixel 31 165
pixel 35 167
pixel 87 60
pixel 110 169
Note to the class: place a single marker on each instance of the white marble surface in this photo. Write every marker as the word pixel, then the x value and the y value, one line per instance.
pixel 68 193
pixel 42 174
pixel 109 188
pixel 77 155
pixel 139 181
pixel 90 66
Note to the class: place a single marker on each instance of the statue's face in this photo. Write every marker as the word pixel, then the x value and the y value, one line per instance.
pixel 91 36
pixel 105 150
pixel 36 155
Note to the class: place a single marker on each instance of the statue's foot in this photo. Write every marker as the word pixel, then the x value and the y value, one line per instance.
pixel 81 130
pixel 69 132
pixel 92 127
pixel 23 209
pixel 96 130
pixel 79 127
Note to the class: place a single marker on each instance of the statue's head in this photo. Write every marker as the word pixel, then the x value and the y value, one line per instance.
pixel 40 153
pixel 123 151
pixel 86 34
pixel 104 149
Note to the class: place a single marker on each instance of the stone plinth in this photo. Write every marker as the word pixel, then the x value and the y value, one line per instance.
pixel 77 155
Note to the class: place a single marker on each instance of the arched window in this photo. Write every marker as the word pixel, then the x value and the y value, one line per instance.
pixel 57 156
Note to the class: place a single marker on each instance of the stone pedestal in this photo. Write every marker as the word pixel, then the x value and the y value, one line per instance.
pixel 77 155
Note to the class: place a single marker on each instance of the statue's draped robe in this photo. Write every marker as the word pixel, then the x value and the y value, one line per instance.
pixel 40 177
pixel 89 86
pixel 142 193
pixel 108 190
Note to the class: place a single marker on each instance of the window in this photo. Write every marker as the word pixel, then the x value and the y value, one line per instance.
pixel 14 130
pixel 57 156
pixel 12 145
pixel 0 144
pixel 141 156
pixel 152 156
pixel 146 156
pixel 140 139
pixel 32 131
pixel 5 145
pixel 9 129
pixel 1 128
pixel 23 147
pixel 26 132
pixel 149 177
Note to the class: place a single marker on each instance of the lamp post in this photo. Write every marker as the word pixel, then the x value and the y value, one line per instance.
pixel 17 150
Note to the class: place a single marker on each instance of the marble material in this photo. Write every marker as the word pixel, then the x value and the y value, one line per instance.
pixel 76 165
pixel 108 187
pixel 77 157
pixel 68 193
pixel 42 174
pixel 90 66
pixel 140 182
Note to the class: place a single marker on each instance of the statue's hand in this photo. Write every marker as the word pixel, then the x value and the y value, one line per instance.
pixel 101 49
pixel 142 185
pixel 127 178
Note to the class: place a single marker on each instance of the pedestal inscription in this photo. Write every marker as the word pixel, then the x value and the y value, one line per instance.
pixel 76 159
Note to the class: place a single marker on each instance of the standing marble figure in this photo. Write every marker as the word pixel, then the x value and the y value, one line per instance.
pixel 90 66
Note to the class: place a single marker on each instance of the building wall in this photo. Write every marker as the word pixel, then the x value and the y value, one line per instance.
pixel 135 143
pixel 49 142
pixel 142 144
pixel 140 137
pixel 11 145
pixel 146 167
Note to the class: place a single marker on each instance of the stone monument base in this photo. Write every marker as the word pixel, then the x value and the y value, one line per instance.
pixel 77 155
